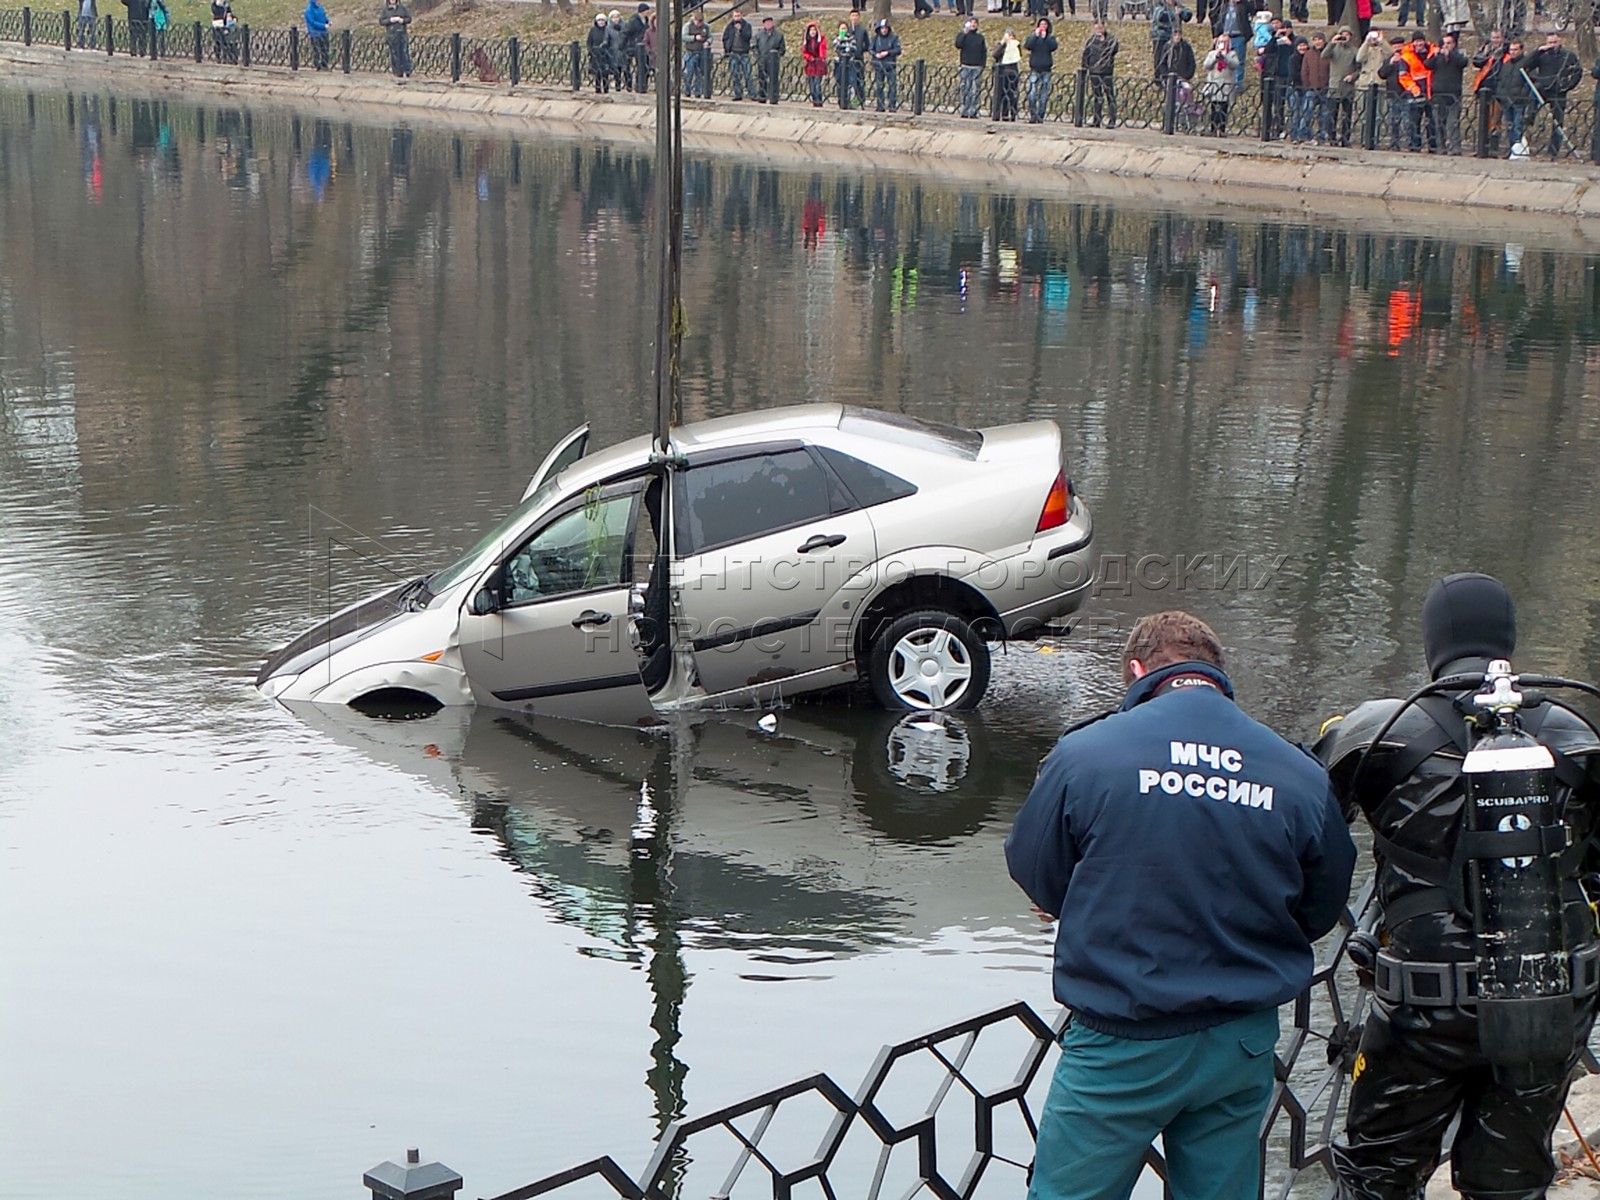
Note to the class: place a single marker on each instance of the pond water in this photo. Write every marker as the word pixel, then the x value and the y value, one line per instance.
pixel 252 363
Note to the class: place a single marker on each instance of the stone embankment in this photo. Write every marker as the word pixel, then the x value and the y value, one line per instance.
pixel 1400 191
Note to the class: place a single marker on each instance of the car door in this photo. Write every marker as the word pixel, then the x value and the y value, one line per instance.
pixel 767 542
pixel 556 640
pixel 567 451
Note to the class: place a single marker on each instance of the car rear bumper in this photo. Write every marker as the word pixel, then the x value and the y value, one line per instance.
pixel 1047 581
pixel 1031 620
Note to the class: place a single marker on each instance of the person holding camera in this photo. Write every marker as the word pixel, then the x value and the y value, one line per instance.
pixel 1008 68
pixel 974 52
pixel 1041 47
pixel 1340 58
pixel 1217 88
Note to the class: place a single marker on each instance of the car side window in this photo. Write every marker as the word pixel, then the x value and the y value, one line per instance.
pixel 743 498
pixel 583 548
pixel 868 484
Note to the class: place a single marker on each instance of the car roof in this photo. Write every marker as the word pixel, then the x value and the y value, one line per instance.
pixel 770 424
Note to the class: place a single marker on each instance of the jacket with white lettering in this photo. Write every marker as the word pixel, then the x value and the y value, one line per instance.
pixel 1191 855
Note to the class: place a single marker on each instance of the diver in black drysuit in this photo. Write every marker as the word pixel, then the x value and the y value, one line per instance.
pixel 1420 1064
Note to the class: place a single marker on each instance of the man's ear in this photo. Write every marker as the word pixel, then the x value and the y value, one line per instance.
pixel 1137 669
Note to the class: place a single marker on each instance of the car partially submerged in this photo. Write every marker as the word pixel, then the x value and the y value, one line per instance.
pixel 771 554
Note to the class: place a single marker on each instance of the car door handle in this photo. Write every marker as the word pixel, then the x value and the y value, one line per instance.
pixel 821 542
pixel 590 617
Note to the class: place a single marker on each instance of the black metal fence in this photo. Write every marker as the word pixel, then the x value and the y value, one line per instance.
pixel 953 1112
pixel 1373 119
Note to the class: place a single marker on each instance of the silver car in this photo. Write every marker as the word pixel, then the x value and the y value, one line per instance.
pixel 776 553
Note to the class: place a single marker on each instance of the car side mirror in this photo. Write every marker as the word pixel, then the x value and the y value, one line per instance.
pixel 484 602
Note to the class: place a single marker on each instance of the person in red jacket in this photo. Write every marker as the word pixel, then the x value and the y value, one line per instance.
pixel 814 54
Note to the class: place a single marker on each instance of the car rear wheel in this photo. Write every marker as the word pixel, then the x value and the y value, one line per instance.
pixel 928 659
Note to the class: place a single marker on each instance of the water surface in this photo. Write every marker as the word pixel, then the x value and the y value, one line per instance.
pixel 252 364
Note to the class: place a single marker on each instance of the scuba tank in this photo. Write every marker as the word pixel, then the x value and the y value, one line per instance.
pixel 1513 840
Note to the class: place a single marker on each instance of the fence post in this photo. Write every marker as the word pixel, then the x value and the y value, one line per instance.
pixel 1169 106
pixel 1482 147
pixel 244 45
pixel 66 29
pixel 154 33
pixel 110 29
pixel 199 49
pixel 919 83
pixel 1082 85
pixel 294 47
pixel 514 60
pixel 455 58
pixel 577 66
pixel 27 25
pixel 416 1180
pixel 1269 87
pixel 344 50
pixel 1369 120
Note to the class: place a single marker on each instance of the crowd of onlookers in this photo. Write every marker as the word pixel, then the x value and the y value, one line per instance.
pixel 1311 87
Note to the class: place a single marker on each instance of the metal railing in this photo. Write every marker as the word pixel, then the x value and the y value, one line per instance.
pixel 974 1083
pixel 1476 125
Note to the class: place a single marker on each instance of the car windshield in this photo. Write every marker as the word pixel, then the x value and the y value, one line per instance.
pixel 500 535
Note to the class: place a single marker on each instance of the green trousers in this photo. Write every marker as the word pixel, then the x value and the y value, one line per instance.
pixel 1204 1094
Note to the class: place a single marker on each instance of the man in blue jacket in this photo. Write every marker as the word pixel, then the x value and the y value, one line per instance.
pixel 317 34
pixel 1191 857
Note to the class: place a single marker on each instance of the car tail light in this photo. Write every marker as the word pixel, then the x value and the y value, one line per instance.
pixel 1056 505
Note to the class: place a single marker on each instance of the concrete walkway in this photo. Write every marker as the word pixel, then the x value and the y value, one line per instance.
pixel 1523 200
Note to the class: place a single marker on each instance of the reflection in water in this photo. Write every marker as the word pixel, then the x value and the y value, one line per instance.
pixel 253 365
pixel 792 847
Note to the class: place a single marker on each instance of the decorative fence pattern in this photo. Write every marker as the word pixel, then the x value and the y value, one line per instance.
pixel 953 1112
pixel 1373 120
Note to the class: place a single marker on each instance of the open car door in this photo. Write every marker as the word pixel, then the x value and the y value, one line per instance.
pixel 549 629
pixel 568 451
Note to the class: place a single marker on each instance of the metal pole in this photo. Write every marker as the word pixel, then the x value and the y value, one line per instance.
pixel 66 29
pixel 1082 81
pixel 669 219
pixel 1369 120
pixel 27 26
pixel 1169 106
pixel 344 50
pixel 294 48
pixel 110 28
pixel 577 67
pixel 514 58
pixel 1484 100
pixel 244 38
pixel 455 58
pixel 919 79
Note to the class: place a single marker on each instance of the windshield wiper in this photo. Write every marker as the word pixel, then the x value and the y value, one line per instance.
pixel 413 595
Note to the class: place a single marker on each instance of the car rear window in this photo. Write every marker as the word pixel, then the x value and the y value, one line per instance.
pixel 868 484
pixel 901 430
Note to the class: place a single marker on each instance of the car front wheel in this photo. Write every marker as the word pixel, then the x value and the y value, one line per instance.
pixel 929 660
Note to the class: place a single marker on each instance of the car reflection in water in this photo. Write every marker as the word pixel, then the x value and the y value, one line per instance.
pixel 792 838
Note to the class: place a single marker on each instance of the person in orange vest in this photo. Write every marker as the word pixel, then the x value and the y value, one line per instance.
pixel 1487 60
pixel 1408 68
